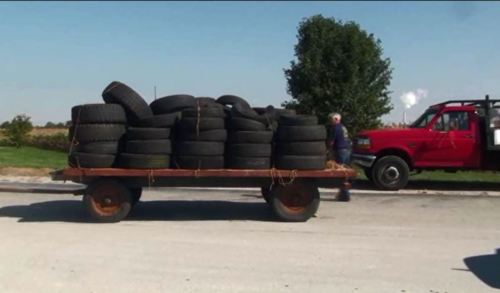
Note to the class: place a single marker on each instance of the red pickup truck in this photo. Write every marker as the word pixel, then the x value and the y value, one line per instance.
pixel 453 135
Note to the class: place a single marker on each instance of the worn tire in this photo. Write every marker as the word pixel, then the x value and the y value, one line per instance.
pixel 296 202
pixel 241 111
pixel 237 124
pixel 147 133
pixel 250 136
pixel 310 148
pixel 99 147
pixel 199 148
pixel 210 112
pixel 249 150
pixel 232 100
pixel 238 162
pixel 143 161
pixel 300 162
pixel 98 113
pixel 205 135
pixel 172 103
pixel 199 162
pixel 96 132
pixel 134 105
pixel 159 121
pixel 301 133
pixel 87 160
pixel 157 146
pixel 295 120
pixel 385 169
pixel 191 124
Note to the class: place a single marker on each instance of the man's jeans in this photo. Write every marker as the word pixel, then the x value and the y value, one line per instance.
pixel 343 156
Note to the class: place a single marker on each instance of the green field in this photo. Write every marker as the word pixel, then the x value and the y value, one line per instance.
pixel 31 157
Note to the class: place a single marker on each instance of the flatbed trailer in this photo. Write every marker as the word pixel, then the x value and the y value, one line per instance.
pixel 292 194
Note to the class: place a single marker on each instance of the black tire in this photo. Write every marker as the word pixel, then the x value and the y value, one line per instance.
pixel 205 135
pixel 98 113
pixel 159 146
pixel 192 124
pixel 368 173
pixel 241 111
pixel 237 124
pixel 199 162
pixel 206 102
pixel 160 121
pixel 266 193
pixel 199 148
pixel 143 161
pixel 301 133
pixel 232 100
pixel 100 147
pixel 296 202
pixel 279 112
pixel 86 160
pixel 135 106
pixel 309 148
pixel 295 120
pixel 250 136
pixel 234 162
pixel 390 173
pixel 107 200
pixel 136 193
pixel 173 103
pixel 300 162
pixel 211 112
pixel 249 150
pixel 85 133
pixel 147 133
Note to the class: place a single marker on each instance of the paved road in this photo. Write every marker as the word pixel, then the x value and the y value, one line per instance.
pixel 223 241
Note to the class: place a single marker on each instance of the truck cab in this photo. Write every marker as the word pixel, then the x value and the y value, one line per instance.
pixel 451 136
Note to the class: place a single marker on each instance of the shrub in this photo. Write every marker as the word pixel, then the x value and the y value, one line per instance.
pixel 18 129
pixel 55 142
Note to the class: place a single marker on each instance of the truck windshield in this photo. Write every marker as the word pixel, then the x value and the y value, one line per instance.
pixel 425 119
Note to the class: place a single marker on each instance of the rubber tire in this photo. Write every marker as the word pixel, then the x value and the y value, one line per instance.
pixel 296 120
pixel 98 113
pixel 135 106
pixel 143 161
pixel 100 147
pixel 97 132
pixel 242 124
pixel 199 162
pixel 250 136
pixel 190 124
pixel 160 121
pixel 211 112
pixel 199 148
pixel 125 207
pixel 234 162
pixel 309 148
pixel 241 111
pixel 156 146
pixel 205 135
pixel 136 193
pixel 87 160
pixel 232 100
pixel 147 133
pixel 266 193
pixel 288 215
pixel 248 150
pixel 300 162
pixel 396 162
pixel 301 133
pixel 172 103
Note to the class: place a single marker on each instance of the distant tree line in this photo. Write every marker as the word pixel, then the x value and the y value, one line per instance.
pixel 49 124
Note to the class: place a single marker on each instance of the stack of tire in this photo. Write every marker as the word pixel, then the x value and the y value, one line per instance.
pixel 147 145
pixel 300 143
pixel 200 134
pixel 249 140
pixel 95 135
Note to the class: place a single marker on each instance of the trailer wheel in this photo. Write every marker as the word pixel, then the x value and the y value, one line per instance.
pixel 136 195
pixel 107 200
pixel 295 202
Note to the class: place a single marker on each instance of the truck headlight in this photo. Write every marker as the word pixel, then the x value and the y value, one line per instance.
pixel 363 143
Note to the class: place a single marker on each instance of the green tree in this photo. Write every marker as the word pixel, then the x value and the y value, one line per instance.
pixel 339 68
pixel 5 125
pixel 50 124
pixel 18 129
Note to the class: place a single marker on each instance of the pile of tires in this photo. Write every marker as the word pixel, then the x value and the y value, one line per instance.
pixel 249 139
pixel 300 143
pixel 95 135
pixel 200 136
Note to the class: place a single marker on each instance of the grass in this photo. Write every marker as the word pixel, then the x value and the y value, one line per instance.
pixel 30 157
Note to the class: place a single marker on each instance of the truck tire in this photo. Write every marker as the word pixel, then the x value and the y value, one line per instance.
pixel 309 148
pixel 250 136
pixel 295 120
pixel 160 121
pixel 134 105
pixel 237 124
pixel 199 162
pixel 155 146
pixel 147 133
pixel 199 148
pixel 239 110
pixel 301 133
pixel 204 135
pixel 202 112
pixel 99 147
pixel 107 200
pixel 172 103
pixel 86 160
pixel 390 173
pixel 248 150
pixel 96 132
pixel 191 124
pixel 98 113
pixel 295 202
pixel 232 100
pixel 143 161
pixel 248 162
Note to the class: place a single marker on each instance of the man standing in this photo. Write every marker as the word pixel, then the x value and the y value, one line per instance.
pixel 340 146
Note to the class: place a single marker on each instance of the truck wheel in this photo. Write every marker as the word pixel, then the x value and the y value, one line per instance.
pixel 136 195
pixel 295 202
pixel 390 173
pixel 107 200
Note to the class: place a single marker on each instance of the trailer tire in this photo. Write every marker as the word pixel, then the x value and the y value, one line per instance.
pixel 135 106
pixel 98 113
pixel 243 124
pixel 301 162
pixel 172 103
pixel 143 161
pixel 107 200
pixel 156 146
pixel 205 135
pixel 147 133
pixel 199 162
pixel 199 148
pixel 295 202
pixel 310 148
pixel 301 133
pixel 390 173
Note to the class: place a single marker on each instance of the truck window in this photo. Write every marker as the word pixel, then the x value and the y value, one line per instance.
pixel 424 119
pixel 458 120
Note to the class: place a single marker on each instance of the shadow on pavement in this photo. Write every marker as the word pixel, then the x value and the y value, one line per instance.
pixel 435 185
pixel 486 268
pixel 171 210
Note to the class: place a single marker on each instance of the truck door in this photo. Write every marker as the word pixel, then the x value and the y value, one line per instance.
pixel 452 141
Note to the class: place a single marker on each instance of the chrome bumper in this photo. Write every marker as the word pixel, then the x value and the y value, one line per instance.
pixel 363 160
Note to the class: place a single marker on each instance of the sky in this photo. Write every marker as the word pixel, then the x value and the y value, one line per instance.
pixel 54 55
